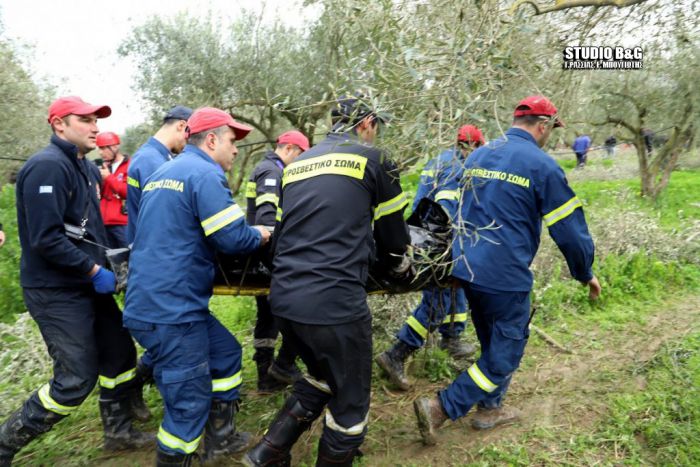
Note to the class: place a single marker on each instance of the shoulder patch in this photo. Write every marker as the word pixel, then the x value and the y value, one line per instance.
pixel 46 189
pixel 270 182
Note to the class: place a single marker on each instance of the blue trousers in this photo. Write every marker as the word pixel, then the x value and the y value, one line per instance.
pixel 193 363
pixel 501 323
pixel 435 311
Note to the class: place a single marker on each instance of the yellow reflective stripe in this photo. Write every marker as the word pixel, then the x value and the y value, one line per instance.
pixel 250 189
pixel 354 430
pixel 111 383
pixel 447 194
pixel 349 165
pixel 225 384
pixel 320 385
pixel 174 442
pixel 562 211
pixel 133 182
pixel 50 404
pixel 428 173
pixel 221 219
pixel 278 216
pixel 389 207
pixel 480 379
pixel 414 324
pixel 267 198
pixel 459 318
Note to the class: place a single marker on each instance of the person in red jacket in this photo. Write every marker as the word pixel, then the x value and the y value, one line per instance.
pixel 113 202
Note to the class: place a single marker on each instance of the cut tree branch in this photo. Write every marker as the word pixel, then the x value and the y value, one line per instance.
pixel 566 4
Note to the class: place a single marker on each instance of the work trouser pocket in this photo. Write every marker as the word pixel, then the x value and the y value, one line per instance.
pixel 187 391
pixel 507 348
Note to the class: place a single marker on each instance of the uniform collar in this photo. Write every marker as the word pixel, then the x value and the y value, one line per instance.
pixel 160 147
pixel 203 155
pixel 68 148
pixel 274 157
pixel 518 132
pixel 348 136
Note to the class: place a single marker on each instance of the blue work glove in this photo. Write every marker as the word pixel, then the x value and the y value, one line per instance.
pixel 104 281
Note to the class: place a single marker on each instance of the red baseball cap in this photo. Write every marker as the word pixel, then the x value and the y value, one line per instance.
pixel 294 137
pixel 74 105
pixel 537 105
pixel 470 134
pixel 107 138
pixel 208 118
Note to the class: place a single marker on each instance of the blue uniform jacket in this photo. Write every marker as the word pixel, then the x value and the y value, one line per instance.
pixel 151 155
pixel 581 144
pixel 515 185
pixel 187 214
pixel 439 180
pixel 55 187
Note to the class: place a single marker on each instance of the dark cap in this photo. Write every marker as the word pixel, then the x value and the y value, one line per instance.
pixel 352 109
pixel 179 112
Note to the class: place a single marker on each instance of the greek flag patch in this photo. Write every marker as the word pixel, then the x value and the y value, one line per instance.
pixel 46 189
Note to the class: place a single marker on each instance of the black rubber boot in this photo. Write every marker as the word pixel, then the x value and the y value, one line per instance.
pixel 392 362
pixel 329 457
pixel 456 347
pixel 267 384
pixel 166 459
pixel 139 409
pixel 274 448
pixel 15 434
pixel 118 431
pixel 284 368
pixel 220 435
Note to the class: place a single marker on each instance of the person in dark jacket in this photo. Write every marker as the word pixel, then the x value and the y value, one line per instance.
pixel 2 236
pixel 341 205
pixel 512 184
pixel 187 215
pixel 113 200
pixel 262 192
pixel 67 288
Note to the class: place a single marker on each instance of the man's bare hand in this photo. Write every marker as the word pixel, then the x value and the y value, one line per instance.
pixel 264 232
pixel 594 288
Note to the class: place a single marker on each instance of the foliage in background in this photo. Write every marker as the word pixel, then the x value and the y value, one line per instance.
pixel 23 106
pixel 11 302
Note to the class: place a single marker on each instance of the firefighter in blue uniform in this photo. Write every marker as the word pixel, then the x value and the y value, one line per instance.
pixel 516 185
pixel 67 289
pixel 442 309
pixel 338 199
pixel 168 141
pixel 187 214
pixel 262 193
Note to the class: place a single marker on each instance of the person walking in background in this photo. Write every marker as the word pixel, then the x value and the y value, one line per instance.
pixel 113 200
pixel 581 145
pixel 610 143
